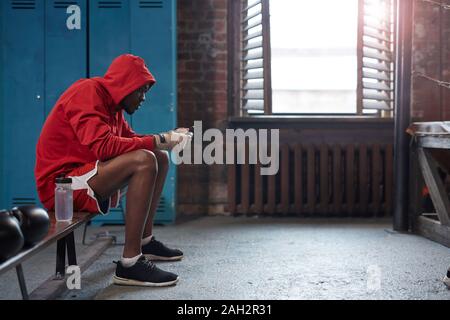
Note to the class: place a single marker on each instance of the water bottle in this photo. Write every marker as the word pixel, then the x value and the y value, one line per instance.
pixel 63 199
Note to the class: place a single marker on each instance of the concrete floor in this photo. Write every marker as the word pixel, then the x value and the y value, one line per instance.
pixel 268 258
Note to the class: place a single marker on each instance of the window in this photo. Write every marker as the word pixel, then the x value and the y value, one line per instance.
pixel 312 57
pixel 314 60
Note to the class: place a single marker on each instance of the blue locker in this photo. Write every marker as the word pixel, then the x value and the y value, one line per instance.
pixel 147 29
pixel 65 47
pixel 41 58
pixel 153 37
pixel 109 35
pixel 42 55
pixel 22 104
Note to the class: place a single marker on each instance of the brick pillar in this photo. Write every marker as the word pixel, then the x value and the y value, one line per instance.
pixel 202 95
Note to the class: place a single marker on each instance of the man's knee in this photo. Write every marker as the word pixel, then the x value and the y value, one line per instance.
pixel 146 160
pixel 163 159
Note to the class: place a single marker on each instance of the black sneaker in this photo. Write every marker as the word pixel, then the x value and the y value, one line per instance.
pixel 156 251
pixel 144 273
pixel 447 279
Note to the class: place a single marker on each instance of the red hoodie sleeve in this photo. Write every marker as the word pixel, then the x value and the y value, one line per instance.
pixel 128 132
pixel 88 116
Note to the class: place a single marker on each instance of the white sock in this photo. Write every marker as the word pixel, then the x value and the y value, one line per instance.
pixel 146 240
pixel 129 262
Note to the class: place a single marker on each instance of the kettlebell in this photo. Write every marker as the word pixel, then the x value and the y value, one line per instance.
pixel 34 223
pixel 11 237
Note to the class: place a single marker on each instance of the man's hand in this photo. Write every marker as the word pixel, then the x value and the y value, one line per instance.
pixel 182 130
pixel 168 140
pixel 187 133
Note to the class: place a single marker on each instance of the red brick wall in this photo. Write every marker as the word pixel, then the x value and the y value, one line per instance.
pixel 202 90
pixel 431 56
pixel 202 95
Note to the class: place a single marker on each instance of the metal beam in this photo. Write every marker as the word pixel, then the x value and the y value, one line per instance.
pixel 402 113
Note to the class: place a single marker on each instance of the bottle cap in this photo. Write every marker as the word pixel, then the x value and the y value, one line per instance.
pixel 63 180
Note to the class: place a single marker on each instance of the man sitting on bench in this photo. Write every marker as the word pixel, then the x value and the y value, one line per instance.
pixel 86 137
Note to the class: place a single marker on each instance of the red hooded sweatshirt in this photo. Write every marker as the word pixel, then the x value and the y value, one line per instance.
pixel 84 125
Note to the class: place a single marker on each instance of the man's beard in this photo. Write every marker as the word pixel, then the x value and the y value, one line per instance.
pixel 129 111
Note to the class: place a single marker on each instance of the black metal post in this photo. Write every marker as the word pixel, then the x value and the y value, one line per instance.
pixel 71 252
pixel 60 259
pixel 402 113
pixel 22 284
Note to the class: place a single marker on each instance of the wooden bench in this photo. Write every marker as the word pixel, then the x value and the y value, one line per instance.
pixel 60 232
pixel 432 146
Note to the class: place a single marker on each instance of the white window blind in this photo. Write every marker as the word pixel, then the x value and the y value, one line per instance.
pixel 255 57
pixel 376 55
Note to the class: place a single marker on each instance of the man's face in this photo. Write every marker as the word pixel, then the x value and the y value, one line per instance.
pixel 134 100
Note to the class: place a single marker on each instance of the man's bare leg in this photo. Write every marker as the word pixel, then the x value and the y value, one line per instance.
pixel 157 251
pixel 138 170
pixel 163 167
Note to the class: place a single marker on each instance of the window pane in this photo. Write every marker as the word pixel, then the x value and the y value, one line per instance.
pixel 314 62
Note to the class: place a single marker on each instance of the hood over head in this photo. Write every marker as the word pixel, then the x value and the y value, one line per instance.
pixel 126 74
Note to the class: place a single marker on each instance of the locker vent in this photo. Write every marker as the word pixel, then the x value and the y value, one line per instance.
pixel 110 4
pixel 150 4
pixel 23 4
pixel 23 201
pixel 162 205
pixel 63 4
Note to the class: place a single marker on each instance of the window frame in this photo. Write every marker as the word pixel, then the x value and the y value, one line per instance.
pixel 235 44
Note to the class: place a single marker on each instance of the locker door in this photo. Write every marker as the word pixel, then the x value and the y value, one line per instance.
pixel 153 37
pixel 109 35
pixel 23 97
pixel 65 47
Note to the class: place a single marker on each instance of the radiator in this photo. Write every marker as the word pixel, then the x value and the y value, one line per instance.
pixel 317 180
